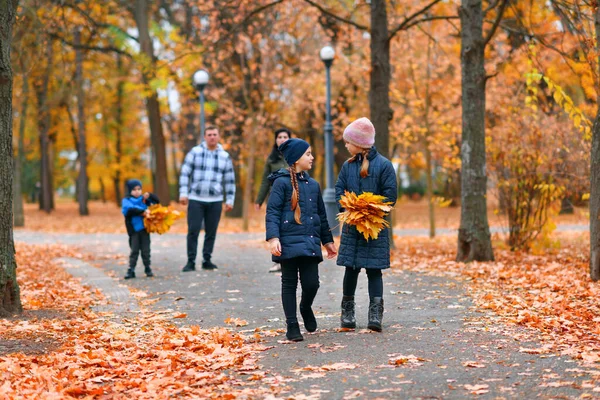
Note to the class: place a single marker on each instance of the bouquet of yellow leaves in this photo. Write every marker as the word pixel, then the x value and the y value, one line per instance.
pixel 161 218
pixel 366 211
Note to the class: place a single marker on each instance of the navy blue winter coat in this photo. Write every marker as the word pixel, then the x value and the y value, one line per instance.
pixel 297 240
pixel 355 250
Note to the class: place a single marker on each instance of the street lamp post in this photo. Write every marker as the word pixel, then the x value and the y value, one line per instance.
pixel 199 81
pixel 327 54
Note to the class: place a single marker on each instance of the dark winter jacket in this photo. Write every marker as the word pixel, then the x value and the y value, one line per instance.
pixel 297 240
pixel 355 250
pixel 133 208
pixel 273 164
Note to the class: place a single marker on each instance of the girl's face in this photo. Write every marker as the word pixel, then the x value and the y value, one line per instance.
pixel 281 138
pixel 352 149
pixel 305 162
pixel 136 192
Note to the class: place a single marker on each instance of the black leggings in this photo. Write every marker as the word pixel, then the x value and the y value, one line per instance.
pixel 308 270
pixel 375 281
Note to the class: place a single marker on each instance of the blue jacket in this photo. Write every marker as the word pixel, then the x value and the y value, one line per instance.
pixel 355 250
pixel 133 208
pixel 297 240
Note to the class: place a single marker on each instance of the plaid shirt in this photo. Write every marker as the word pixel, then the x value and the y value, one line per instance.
pixel 204 173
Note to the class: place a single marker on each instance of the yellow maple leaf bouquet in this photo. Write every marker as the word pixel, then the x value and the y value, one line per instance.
pixel 366 211
pixel 160 218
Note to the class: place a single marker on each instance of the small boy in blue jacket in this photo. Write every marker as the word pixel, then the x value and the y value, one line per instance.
pixel 134 208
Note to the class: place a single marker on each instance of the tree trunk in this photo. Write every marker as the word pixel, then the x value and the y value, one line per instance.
pixel 474 241
pixel 248 185
pixel 82 179
pixel 595 177
pixel 428 162
pixel 379 91
pixel 161 181
pixel 119 130
pixel 44 128
pixel 10 301
pixel 19 214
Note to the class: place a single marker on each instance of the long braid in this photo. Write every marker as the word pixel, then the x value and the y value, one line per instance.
pixel 295 194
pixel 364 169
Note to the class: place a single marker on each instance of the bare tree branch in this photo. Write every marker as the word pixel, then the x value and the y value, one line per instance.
pixel 102 49
pixel 404 24
pixel 490 7
pixel 97 24
pixel 432 18
pixel 337 17
pixel 494 27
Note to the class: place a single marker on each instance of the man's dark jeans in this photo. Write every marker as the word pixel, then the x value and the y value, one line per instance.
pixel 139 241
pixel 210 213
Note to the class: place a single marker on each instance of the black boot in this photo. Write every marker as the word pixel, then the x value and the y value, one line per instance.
pixel 190 266
pixel 148 272
pixel 293 332
pixel 348 318
pixel 130 274
pixel 375 313
pixel 310 322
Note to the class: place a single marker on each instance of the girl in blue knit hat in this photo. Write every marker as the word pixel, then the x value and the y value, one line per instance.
pixel 296 228
pixel 135 208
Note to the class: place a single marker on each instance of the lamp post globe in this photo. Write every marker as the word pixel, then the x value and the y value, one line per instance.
pixel 327 54
pixel 199 81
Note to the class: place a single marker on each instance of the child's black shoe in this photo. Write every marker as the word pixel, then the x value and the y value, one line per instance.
pixel 310 322
pixel 149 273
pixel 293 332
pixel 375 314
pixel 348 319
pixel 130 274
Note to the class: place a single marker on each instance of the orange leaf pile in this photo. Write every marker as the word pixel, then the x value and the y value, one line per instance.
pixel 366 211
pixel 551 293
pixel 161 218
pixel 59 348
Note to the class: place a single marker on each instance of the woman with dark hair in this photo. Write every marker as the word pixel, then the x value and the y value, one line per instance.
pixel 274 163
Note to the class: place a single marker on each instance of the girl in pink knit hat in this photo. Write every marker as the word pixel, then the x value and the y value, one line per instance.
pixel 365 171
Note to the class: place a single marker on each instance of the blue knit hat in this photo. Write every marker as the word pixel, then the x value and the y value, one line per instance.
pixel 293 149
pixel 131 184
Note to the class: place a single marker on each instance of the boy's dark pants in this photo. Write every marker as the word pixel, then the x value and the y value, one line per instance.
pixel 308 270
pixel 210 213
pixel 139 241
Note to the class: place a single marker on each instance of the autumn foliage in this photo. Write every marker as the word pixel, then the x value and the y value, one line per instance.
pixel 366 211
pixel 161 218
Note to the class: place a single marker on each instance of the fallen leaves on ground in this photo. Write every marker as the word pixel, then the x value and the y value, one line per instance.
pixel 327 367
pixel 399 359
pixel 236 322
pixel 551 293
pixel 96 356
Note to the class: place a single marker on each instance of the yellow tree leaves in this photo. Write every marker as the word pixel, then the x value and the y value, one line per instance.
pixel 366 211
pixel 161 218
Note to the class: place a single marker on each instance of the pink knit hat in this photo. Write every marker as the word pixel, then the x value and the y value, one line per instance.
pixel 360 133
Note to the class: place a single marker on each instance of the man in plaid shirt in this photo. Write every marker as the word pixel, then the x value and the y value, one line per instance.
pixel 207 168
